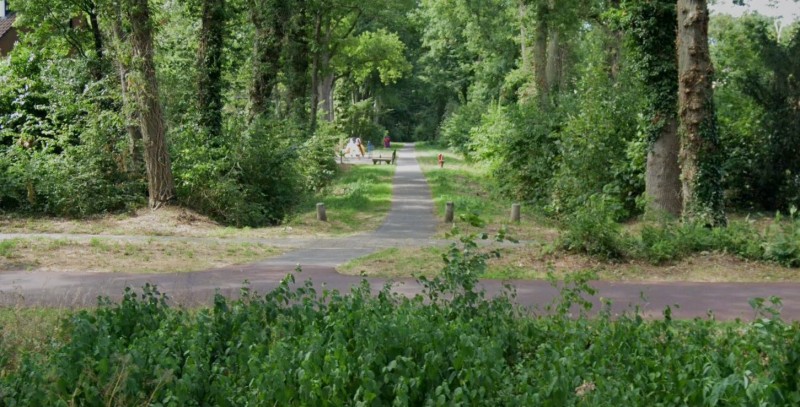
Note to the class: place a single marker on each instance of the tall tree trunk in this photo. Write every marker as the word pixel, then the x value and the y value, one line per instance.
pixel 524 41
pixel 553 69
pixel 326 93
pixel 269 31
pixel 613 47
pixel 97 68
pixel 540 55
pixel 662 174
pixel 298 64
pixel 653 25
pixel 209 61
pixel 160 183
pixel 315 71
pixel 133 167
pixel 699 155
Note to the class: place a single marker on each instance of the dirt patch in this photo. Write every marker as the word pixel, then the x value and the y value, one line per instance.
pixel 102 255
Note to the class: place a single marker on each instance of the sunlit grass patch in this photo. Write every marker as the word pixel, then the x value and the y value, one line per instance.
pixel 469 186
pixel 358 200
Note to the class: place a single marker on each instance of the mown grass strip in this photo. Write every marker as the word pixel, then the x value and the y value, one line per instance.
pixel 109 255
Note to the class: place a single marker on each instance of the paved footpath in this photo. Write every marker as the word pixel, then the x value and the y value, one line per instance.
pixel 410 222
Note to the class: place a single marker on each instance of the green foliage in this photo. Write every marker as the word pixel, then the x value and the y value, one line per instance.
pixel 599 137
pixel 61 150
pixel 297 346
pixel 593 229
pixel 251 182
pixel 457 127
pixel 317 163
pixel 756 101
pixel 520 144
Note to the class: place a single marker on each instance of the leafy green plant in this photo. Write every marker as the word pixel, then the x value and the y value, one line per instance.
pixel 7 247
pixel 593 229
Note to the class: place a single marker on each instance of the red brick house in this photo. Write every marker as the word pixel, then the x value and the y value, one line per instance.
pixel 8 34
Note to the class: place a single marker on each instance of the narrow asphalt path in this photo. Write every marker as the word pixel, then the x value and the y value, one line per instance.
pixel 410 222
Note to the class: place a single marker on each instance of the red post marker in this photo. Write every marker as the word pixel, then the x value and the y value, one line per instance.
pixel 441 161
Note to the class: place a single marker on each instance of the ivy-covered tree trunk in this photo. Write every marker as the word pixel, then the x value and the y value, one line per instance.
pixel 269 32
pixel 209 61
pixel 160 183
pixel 121 48
pixel 652 27
pixel 699 156
pixel 540 55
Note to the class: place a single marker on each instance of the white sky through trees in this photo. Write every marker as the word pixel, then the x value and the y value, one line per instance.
pixel 785 10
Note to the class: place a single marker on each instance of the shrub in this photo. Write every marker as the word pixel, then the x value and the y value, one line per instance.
pixel 593 229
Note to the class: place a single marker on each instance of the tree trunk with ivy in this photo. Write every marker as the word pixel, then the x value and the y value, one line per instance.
pixel 122 50
pixel 540 55
pixel 160 183
pixel 209 61
pixel 652 26
pixel 699 157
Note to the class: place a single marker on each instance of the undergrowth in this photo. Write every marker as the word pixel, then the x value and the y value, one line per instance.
pixel 594 230
pixel 451 345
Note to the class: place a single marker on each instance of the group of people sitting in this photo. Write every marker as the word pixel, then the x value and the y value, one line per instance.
pixel 355 148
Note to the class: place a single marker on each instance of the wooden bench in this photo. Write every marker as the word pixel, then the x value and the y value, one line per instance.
pixel 385 160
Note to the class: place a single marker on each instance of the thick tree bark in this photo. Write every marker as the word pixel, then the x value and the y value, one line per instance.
pixel 554 68
pixel 209 61
pixel 325 91
pixel 699 155
pixel 160 183
pixel 269 32
pixel 662 175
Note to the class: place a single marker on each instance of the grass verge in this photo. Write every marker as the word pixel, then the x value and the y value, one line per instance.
pixel 528 261
pixel 106 255
pixel 468 186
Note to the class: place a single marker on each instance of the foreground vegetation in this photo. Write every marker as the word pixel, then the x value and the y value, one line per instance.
pixel 297 346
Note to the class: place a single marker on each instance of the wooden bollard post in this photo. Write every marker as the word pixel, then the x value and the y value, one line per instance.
pixel 515 212
pixel 448 212
pixel 321 215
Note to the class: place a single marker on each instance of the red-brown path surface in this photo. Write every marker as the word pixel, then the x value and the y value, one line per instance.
pixel 409 223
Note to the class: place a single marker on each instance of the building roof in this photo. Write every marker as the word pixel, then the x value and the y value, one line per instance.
pixel 5 24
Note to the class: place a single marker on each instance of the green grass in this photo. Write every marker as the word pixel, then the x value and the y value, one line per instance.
pixel 397 262
pixel 358 200
pixel 7 247
pixel 469 186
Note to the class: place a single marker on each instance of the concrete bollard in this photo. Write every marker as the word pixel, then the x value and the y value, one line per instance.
pixel 321 215
pixel 515 212
pixel 448 212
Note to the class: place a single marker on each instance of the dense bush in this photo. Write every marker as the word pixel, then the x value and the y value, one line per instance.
pixel 297 346
pixel 253 179
pixel 62 144
pixel 520 144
